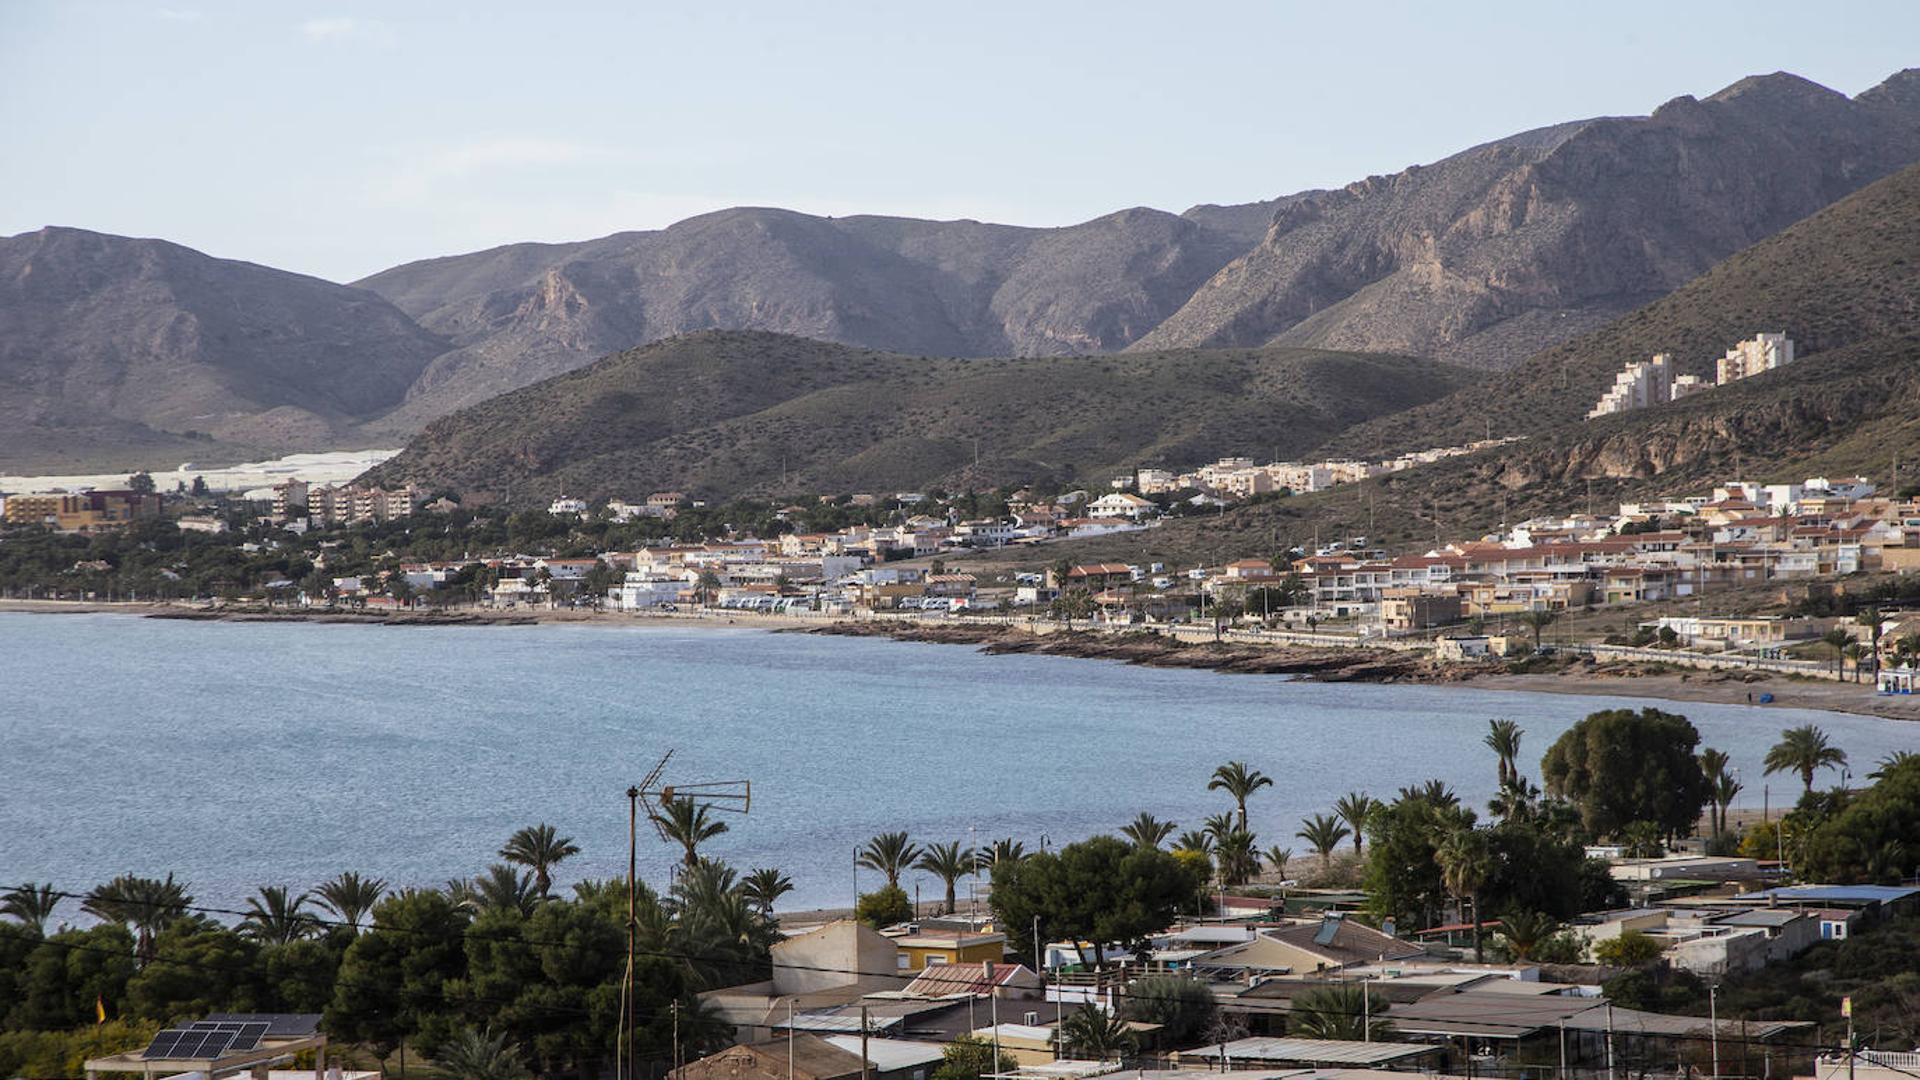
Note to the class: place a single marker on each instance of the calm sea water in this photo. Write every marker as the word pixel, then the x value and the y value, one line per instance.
pixel 238 755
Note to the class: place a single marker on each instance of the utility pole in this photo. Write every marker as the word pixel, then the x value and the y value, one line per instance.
pixel 633 928
pixel 864 1063
pixel 790 1037
pixel 1713 1025
pixel 676 1034
pixel 1610 1072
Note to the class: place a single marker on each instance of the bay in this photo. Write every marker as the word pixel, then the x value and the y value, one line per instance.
pixel 243 754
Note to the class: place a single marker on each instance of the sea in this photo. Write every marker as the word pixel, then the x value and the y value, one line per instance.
pixel 235 755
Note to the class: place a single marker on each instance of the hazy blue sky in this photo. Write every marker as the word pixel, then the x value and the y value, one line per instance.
pixel 337 139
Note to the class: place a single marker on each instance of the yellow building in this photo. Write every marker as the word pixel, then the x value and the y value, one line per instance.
pixel 925 948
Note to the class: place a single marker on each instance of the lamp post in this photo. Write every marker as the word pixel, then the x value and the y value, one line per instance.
pixel 1713 1025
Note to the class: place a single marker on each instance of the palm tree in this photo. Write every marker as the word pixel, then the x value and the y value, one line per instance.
pixel 1277 858
pixel 1537 620
pixel 1837 640
pixel 1855 652
pixel 1892 763
pixel 1237 858
pixel 539 848
pixel 475 1055
pixel 1355 807
pixel 1147 831
pixel 350 897
pixel 709 582
pixel 276 916
pixel 1434 793
pixel 891 854
pixel 1465 863
pixel 148 905
pixel 1006 850
pixel 1515 800
pixel 1503 738
pixel 1325 834
pixel 1096 1034
pixel 949 863
pixel 689 824
pixel 1875 624
pixel 764 886
pixel 1803 750
pixel 1338 1011
pixel 1238 782
pixel 31 904
pixel 1721 787
pixel 1220 826
pixel 1195 841
pixel 502 888
pixel 1524 931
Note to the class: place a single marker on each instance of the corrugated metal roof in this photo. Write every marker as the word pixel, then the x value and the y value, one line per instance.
pixel 1320 1051
pixel 888 1055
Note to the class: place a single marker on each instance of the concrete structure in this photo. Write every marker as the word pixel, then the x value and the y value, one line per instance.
pixel 85 511
pixel 1763 352
pixel 841 953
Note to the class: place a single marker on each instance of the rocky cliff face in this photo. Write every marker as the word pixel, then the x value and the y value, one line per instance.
pixel 1492 254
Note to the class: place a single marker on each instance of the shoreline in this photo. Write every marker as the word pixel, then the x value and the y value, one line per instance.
pixel 1308 663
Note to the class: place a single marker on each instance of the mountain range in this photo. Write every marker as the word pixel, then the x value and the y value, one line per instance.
pixel 116 349
pixel 1844 283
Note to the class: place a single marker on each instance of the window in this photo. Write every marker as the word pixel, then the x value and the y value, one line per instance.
pixel 902 961
pixel 935 961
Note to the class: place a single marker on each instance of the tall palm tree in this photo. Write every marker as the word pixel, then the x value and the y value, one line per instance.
pixel 764 886
pixel 539 848
pixel 1147 831
pixel 1803 750
pixel 1092 1033
pixel 1239 782
pixel 1525 931
pixel 1875 623
pixel 949 863
pixel 1721 787
pixel 1855 652
pixel 1277 858
pixel 1837 640
pixel 891 854
pixel 147 905
pixel 1354 808
pixel 689 824
pixel 276 916
pixel 1325 834
pixel 1465 863
pixel 1503 738
pixel 31 904
pixel 350 897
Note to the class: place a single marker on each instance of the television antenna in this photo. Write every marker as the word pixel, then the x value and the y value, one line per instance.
pixel 726 796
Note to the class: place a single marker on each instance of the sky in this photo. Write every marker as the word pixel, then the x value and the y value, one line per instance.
pixel 339 139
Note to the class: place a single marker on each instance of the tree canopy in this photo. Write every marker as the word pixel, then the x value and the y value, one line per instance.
pixel 1619 766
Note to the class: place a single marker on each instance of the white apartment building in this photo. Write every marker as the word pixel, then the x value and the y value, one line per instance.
pixel 1749 358
pixel 1640 384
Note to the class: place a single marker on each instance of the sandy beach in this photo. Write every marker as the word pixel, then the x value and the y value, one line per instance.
pixel 1323 664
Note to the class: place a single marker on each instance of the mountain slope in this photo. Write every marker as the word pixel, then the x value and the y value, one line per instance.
pixel 722 413
pixel 1845 283
pixel 1491 254
pixel 111 342
pixel 958 288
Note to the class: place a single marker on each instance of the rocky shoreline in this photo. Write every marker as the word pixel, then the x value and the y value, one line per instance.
pixel 371 618
pixel 1148 649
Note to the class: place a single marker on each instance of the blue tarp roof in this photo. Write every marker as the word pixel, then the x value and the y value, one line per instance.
pixel 1844 894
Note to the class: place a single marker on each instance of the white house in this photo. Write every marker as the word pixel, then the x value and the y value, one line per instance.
pixel 642 590
pixel 1121 504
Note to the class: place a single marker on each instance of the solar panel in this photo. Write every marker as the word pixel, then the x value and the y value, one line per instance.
pixel 246 1033
pixel 1329 926
pixel 166 1043
pixel 216 1043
